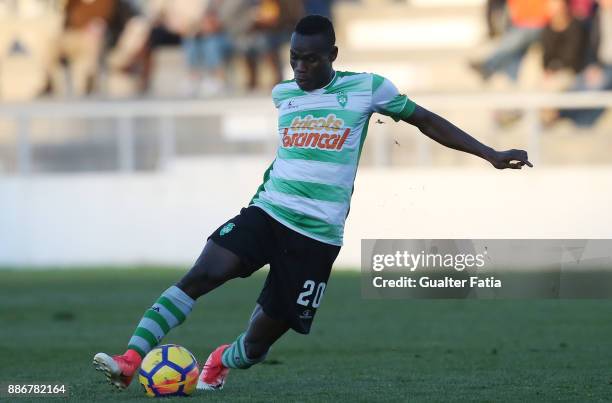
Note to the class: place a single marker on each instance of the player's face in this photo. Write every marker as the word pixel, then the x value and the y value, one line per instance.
pixel 311 58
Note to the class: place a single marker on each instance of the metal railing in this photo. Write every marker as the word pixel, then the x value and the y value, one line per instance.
pixel 167 111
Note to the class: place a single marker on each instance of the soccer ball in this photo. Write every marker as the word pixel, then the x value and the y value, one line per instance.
pixel 169 370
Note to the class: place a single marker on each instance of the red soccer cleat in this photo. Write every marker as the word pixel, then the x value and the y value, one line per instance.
pixel 119 369
pixel 214 372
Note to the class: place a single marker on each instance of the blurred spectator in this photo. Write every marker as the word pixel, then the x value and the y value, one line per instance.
pixel 29 33
pixel 528 18
pixel 82 42
pixel 182 17
pixel 258 29
pixel 230 18
pixel 279 32
pixel 208 51
pixel 321 7
pixel 496 17
pixel 598 75
pixel 168 21
pixel 563 46
pixel 124 12
pixel 582 9
pixel 186 18
pixel 129 59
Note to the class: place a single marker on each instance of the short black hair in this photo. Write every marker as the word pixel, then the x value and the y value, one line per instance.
pixel 316 24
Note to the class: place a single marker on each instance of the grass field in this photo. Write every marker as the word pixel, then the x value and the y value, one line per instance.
pixel 53 322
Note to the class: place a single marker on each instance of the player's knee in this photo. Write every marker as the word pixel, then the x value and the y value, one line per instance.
pixel 213 276
pixel 201 280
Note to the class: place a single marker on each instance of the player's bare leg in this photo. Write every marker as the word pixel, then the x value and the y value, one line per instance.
pixel 215 266
pixel 263 331
pixel 250 348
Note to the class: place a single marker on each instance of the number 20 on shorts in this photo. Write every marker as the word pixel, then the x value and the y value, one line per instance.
pixel 309 288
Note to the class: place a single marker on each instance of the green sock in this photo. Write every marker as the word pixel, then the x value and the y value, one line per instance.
pixel 169 311
pixel 235 355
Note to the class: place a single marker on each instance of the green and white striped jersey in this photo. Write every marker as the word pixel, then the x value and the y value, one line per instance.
pixel 308 186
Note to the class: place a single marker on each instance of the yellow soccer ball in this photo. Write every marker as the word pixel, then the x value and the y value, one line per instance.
pixel 169 370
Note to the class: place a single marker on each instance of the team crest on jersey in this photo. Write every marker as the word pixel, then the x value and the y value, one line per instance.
pixel 227 228
pixel 342 98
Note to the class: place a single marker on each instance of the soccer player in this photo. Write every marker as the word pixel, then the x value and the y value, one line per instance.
pixel 295 221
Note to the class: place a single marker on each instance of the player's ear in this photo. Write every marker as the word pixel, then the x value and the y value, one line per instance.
pixel 333 54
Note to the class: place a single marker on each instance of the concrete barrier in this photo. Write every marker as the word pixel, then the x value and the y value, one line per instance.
pixel 164 218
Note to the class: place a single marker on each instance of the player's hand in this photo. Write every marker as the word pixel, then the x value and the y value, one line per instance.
pixel 512 159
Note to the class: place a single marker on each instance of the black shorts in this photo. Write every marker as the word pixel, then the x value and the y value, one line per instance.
pixel 299 265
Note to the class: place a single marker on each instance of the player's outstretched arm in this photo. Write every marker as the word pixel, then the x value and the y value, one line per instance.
pixel 449 135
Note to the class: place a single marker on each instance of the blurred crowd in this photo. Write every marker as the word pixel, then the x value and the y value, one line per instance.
pixel 78 39
pixel 575 37
pixel 81 47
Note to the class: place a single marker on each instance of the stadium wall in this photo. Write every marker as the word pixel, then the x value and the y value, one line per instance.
pixel 164 218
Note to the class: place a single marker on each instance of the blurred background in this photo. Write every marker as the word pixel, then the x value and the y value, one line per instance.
pixel 130 130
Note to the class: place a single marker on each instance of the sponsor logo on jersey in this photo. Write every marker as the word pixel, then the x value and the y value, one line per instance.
pixel 321 133
pixel 322 141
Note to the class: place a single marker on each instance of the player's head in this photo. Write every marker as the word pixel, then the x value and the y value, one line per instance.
pixel 313 50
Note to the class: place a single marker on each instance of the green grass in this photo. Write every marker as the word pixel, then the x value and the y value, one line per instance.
pixel 53 322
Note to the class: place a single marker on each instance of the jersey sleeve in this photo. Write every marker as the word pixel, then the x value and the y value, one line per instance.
pixel 387 100
pixel 276 96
